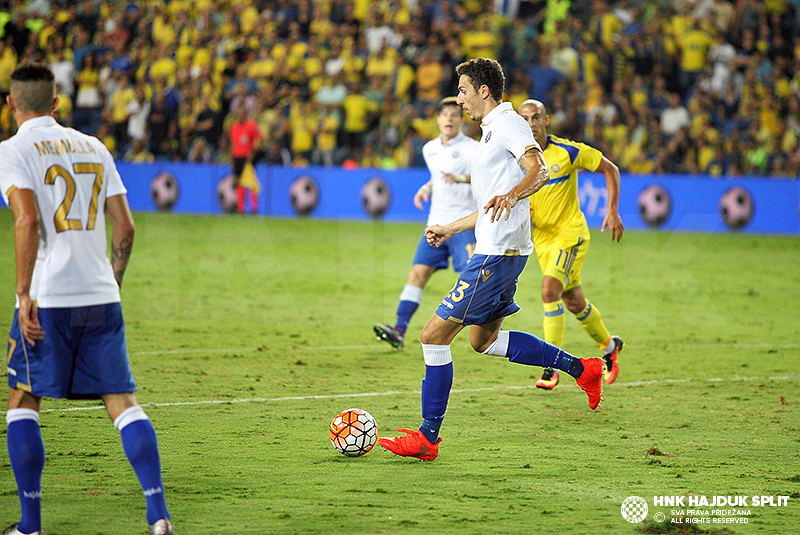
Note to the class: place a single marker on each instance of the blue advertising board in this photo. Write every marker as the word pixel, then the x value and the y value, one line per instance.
pixel 676 202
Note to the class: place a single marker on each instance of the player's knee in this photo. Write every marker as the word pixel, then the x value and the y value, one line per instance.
pixel 428 336
pixel 481 346
pixel 574 300
pixel 550 294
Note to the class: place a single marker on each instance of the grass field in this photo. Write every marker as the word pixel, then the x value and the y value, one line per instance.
pixel 248 335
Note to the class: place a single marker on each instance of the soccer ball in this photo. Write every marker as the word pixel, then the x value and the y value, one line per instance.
pixel 654 205
pixel 226 194
pixel 736 207
pixel 304 195
pixel 375 197
pixel 354 432
pixel 164 190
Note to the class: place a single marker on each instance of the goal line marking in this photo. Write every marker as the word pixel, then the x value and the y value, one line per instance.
pixel 417 392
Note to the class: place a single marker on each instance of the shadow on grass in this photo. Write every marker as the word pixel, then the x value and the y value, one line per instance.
pixel 680 528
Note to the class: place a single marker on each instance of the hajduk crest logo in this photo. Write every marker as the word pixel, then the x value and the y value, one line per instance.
pixel 634 509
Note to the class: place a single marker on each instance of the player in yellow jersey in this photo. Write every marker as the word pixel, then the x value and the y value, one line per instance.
pixel 561 237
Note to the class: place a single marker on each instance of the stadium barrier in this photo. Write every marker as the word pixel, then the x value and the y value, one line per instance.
pixel 669 202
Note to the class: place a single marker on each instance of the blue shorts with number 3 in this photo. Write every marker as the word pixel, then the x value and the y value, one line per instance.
pixel 484 292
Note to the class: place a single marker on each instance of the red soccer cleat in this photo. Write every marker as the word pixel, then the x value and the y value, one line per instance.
pixel 591 380
pixel 412 444
pixel 612 368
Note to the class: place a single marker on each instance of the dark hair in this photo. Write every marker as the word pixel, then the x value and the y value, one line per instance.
pixel 33 87
pixel 445 102
pixel 33 72
pixel 484 71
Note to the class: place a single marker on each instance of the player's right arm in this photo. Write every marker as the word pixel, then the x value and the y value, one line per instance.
pixel 612 219
pixel 26 247
pixel 122 232
pixel 438 234
pixel 536 176
pixel 423 194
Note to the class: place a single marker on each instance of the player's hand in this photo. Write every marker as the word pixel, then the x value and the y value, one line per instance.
pixel 423 195
pixel 614 223
pixel 29 319
pixel 437 235
pixel 498 204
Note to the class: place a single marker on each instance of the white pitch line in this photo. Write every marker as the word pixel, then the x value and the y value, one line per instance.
pixel 417 392
pixel 195 351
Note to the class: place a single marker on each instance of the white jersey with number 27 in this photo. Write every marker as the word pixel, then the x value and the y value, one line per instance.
pixel 71 175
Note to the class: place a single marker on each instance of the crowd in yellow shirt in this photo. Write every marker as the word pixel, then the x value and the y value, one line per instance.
pixel 325 78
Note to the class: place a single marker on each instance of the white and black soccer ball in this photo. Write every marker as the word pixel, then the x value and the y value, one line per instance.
pixel 376 197
pixel 354 432
pixel 226 194
pixel 654 205
pixel 304 195
pixel 736 207
pixel 164 191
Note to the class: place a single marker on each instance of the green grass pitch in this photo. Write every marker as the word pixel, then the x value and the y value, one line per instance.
pixel 247 336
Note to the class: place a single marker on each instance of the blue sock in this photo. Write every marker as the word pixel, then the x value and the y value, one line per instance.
pixel 410 298
pixel 430 428
pixel 141 448
pixel 26 453
pixel 435 394
pixel 405 309
pixel 524 348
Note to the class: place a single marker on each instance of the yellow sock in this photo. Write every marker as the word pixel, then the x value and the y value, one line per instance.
pixel 554 323
pixel 592 323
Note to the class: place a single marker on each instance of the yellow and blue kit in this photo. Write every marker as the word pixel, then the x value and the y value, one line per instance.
pixel 560 233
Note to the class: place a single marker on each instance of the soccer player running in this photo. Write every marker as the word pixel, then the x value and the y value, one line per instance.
pixel 67 338
pixel 448 158
pixel 484 292
pixel 562 238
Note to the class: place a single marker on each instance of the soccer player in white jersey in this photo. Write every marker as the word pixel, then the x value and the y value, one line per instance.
pixel 67 338
pixel 507 168
pixel 448 158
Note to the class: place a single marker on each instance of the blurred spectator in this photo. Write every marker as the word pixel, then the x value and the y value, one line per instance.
pixel 137 110
pixel 359 112
pixel 63 112
pixel 120 112
pixel 138 152
pixel 675 117
pixel 88 100
pixel 162 128
pixel 8 62
pixel 543 77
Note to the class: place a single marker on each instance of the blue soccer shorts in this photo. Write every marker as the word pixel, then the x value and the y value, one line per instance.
pixel 460 247
pixel 484 292
pixel 83 354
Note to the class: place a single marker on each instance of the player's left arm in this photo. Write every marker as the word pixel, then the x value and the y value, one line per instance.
pixel 122 232
pixel 536 176
pixel 612 220
pixel 26 246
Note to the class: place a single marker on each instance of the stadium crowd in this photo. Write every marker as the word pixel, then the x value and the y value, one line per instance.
pixel 692 86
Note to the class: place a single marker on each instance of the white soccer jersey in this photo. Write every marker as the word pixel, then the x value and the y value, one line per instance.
pixel 449 201
pixel 71 174
pixel 495 170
